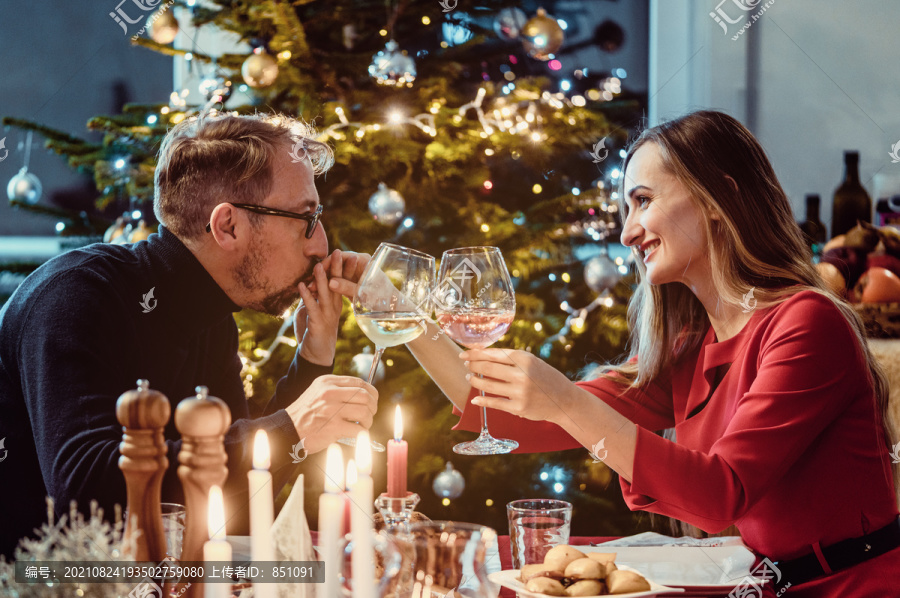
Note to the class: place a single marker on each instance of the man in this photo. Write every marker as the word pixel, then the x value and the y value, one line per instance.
pixel 240 229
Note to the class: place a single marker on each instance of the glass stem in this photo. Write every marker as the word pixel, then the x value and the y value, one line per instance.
pixel 484 425
pixel 375 361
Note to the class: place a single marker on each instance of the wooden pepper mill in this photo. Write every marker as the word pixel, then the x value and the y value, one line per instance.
pixel 143 414
pixel 202 422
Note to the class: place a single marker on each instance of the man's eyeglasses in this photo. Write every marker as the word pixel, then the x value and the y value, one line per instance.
pixel 312 218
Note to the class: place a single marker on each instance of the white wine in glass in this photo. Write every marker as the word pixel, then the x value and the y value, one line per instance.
pixel 393 301
pixel 475 305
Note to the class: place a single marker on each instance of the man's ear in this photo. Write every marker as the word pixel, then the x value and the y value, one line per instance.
pixel 224 226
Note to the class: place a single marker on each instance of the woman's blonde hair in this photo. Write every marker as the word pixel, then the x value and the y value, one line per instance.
pixel 754 243
pixel 208 160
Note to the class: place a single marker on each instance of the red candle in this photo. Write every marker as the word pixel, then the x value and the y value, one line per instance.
pixel 349 481
pixel 397 450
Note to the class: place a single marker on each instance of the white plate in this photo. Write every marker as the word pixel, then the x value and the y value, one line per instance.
pixel 510 579
pixel 707 567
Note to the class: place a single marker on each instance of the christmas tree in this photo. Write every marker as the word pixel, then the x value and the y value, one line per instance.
pixel 449 130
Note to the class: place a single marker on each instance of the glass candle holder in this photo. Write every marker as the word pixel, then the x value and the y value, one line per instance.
pixel 397 512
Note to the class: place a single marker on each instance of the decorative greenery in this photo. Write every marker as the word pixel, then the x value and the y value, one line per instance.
pixel 70 539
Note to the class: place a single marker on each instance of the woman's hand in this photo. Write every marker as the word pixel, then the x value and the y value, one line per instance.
pixel 532 389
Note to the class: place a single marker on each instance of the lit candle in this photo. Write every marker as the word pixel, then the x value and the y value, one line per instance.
pixel 261 510
pixel 216 549
pixel 330 515
pixel 349 481
pixel 397 451
pixel 363 530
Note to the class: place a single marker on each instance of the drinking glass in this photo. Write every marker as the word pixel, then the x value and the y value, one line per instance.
pixel 475 305
pixel 390 559
pixel 173 527
pixel 393 302
pixel 535 526
pixel 450 559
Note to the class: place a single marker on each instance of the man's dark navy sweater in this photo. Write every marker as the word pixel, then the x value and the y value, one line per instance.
pixel 74 336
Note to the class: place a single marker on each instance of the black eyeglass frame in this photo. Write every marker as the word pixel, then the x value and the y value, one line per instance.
pixel 312 219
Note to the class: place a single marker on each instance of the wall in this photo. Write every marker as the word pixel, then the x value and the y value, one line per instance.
pixel 810 78
pixel 65 62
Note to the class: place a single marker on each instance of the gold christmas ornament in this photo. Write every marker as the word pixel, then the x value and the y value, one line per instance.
pixel 114 233
pixel 140 232
pixel 260 69
pixel 542 36
pixel 163 26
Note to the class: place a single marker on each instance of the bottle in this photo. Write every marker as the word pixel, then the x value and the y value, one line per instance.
pixel 815 232
pixel 851 202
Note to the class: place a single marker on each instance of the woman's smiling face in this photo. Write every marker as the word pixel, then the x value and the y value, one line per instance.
pixel 663 222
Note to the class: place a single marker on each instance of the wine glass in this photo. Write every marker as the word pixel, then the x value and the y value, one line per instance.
pixel 475 305
pixel 393 301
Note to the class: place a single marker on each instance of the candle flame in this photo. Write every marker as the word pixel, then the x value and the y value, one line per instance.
pixel 261 459
pixel 351 478
pixel 334 469
pixel 398 425
pixel 363 453
pixel 216 515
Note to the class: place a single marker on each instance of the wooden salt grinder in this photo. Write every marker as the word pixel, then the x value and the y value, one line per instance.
pixel 202 422
pixel 143 414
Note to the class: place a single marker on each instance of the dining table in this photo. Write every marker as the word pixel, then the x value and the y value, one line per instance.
pixel 505 556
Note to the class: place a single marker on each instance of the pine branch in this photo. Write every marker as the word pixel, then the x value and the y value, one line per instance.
pixel 48 132
pixel 168 50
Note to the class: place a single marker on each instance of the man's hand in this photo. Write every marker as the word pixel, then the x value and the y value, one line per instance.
pixel 354 265
pixel 316 322
pixel 330 409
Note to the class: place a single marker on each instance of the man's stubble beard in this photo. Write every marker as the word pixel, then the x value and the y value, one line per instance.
pixel 274 302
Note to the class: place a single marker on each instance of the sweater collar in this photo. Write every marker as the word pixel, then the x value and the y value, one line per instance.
pixel 189 299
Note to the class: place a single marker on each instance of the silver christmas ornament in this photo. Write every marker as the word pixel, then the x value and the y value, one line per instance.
pixel 386 205
pixel 392 66
pixel 456 30
pixel 449 483
pixel 24 187
pixel 361 364
pixel 601 273
pixel 509 23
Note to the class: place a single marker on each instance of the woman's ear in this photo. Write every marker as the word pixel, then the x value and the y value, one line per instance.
pixel 715 215
pixel 732 182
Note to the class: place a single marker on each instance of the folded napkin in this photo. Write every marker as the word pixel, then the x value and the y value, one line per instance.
pixel 654 539
pixel 293 542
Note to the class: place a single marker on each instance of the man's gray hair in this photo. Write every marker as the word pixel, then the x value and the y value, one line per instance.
pixel 205 161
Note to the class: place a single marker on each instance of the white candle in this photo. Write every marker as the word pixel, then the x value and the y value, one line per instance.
pixel 362 524
pixel 331 514
pixel 216 549
pixel 261 510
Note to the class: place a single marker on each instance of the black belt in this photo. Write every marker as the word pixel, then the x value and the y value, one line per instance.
pixel 844 554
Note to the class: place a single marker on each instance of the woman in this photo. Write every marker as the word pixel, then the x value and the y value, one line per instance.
pixel 778 407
